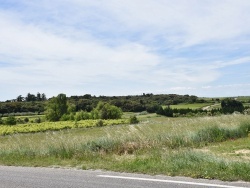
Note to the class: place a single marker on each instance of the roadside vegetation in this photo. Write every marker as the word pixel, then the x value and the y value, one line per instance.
pixel 155 145
pixel 203 138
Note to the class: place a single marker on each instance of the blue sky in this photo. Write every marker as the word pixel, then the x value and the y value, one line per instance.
pixel 118 47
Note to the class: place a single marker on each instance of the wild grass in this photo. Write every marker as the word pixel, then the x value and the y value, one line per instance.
pixel 157 145
pixel 187 162
pixel 233 149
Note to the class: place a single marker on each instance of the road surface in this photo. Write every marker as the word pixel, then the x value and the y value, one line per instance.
pixel 27 177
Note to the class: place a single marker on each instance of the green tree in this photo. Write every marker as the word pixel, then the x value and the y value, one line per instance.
pixel 20 98
pixel 38 96
pixel 56 107
pixel 30 97
pixel 231 105
pixel 107 111
pixel 44 97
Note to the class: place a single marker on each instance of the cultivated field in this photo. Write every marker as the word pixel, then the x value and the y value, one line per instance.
pixel 57 126
pixel 200 147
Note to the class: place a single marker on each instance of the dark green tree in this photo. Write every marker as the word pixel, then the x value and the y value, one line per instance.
pixel 56 107
pixel 44 97
pixel 231 105
pixel 30 97
pixel 20 98
pixel 38 96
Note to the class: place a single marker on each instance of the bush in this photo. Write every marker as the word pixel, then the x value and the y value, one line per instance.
pixel 26 120
pixel 106 111
pixel 152 108
pixel 169 112
pixel 65 117
pixel 82 115
pixel 10 120
pixel 133 120
pixel 20 121
pixel 99 123
pixel 38 120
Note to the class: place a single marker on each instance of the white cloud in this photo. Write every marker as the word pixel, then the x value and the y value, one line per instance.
pixel 34 51
pixel 71 43
pixel 186 22
pixel 225 63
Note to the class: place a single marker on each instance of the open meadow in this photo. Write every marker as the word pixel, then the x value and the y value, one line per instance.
pixel 191 106
pixel 200 147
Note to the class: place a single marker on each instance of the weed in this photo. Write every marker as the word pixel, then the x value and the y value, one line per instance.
pixel 133 120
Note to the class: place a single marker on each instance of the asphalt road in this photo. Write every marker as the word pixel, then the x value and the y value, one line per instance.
pixel 23 177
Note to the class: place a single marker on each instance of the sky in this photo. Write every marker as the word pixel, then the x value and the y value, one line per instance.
pixel 124 47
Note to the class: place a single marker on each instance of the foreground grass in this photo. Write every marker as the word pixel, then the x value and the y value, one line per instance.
pixel 156 146
pixel 237 150
pixel 153 161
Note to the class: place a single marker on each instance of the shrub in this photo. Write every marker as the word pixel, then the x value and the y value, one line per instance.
pixel 26 120
pixel 38 120
pixel 65 117
pixel 19 120
pixel 106 111
pixel 133 120
pixel 99 123
pixel 10 120
pixel 82 115
pixel 152 108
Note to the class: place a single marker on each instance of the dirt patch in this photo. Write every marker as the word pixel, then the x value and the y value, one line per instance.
pixel 243 151
pixel 203 150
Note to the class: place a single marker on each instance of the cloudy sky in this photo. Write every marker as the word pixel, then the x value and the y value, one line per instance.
pixel 124 47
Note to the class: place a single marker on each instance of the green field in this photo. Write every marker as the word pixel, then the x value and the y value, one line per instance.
pixel 56 126
pixel 200 147
pixel 191 106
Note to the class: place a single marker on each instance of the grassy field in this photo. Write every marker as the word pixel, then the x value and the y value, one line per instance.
pixel 234 149
pixel 200 147
pixel 191 106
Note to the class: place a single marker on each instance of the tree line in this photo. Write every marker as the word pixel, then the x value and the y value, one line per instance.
pixel 61 108
pixel 32 97
pixel 228 106
pixel 58 108
pixel 134 103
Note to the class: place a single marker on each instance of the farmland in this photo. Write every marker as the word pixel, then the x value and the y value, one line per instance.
pixel 56 126
pixel 200 147
pixel 191 106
